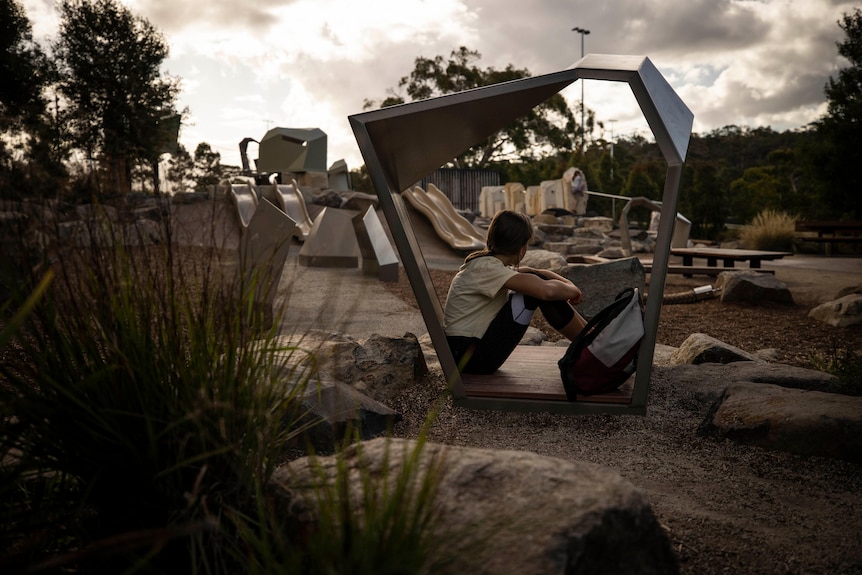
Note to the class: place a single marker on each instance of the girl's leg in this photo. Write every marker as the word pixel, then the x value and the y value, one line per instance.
pixel 505 332
pixel 560 315
pixel 574 327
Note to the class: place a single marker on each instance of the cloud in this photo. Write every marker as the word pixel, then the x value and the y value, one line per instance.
pixel 311 63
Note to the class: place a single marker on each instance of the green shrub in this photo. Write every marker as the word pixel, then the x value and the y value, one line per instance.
pixel 143 407
pixel 769 230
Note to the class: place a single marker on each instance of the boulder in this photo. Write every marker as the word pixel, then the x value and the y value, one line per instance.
pixel 543 260
pixel 333 411
pixel 546 220
pixel 359 201
pixel 329 199
pixel 612 253
pixel 533 336
pixel 601 282
pixel 588 247
pixel 599 223
pixel 706 382
pixel 849 290
pixel 501 511
pixel 794 420
pixel 702 348
pixel 592 233
pixel 752 287
pixel 379 366
pixel 841 312
pixel 539 237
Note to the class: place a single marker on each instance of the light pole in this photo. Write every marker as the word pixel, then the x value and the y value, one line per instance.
pixel 583 32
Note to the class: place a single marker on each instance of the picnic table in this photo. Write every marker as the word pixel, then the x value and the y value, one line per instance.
pixel 829 232
pixel 728 257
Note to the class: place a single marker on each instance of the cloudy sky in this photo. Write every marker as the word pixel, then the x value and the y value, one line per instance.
pixel 247 66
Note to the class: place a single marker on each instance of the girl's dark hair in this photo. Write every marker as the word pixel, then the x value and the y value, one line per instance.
pixel 508 232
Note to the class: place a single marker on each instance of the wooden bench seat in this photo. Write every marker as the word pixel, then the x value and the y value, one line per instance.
pixel 829 232
pixel 701 270
pixel 531 372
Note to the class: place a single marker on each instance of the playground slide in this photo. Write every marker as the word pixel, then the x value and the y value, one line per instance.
pixel 289 199
pixel 245 200
pixel 451 227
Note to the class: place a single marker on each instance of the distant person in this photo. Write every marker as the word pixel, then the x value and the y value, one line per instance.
pixel 492 299
pixel 577 190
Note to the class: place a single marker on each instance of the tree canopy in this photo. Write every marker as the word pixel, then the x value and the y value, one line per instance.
pixel 838 153
pixel 114 92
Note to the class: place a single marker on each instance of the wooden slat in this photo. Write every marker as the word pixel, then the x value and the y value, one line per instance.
pixel 531 372
pixel 704 270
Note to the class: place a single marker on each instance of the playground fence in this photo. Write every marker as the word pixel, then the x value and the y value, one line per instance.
pixel 461 186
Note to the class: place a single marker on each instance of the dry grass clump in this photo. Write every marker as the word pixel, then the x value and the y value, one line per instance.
pixel 769 230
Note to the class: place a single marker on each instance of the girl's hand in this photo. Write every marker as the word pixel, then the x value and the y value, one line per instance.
pixel 577 298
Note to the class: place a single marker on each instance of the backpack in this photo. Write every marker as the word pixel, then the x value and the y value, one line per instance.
pixel 603 356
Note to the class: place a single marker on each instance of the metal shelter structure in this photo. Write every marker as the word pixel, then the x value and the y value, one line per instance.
pixel 292 150
pixel 402 144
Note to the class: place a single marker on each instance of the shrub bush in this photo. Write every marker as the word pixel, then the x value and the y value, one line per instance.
pixel 769 230
pixel 143 407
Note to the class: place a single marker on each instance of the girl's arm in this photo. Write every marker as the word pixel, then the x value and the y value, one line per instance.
pixel 547 273
pixel 550 289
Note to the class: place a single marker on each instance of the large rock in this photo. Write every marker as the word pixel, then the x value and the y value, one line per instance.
pixel 841 312
pixel 543 260
pixel 602 282
pixel 378 366
pixel 706 382
pixel 794 420
pixel 752 287
pixel 702 348
pixel 333 411
pixel 504 511
pixel 359 201
pixel 848 290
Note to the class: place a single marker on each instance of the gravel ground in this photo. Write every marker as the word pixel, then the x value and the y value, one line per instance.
pixel 727 508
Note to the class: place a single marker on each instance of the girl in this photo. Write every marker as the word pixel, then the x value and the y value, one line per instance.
pixel 491 299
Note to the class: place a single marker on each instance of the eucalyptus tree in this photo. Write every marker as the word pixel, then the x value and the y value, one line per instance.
pixel 116 97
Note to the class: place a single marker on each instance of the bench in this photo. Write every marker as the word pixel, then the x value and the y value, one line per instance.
pixel 728 257
pixel 829 232
pixel 531 372
pixel 700 270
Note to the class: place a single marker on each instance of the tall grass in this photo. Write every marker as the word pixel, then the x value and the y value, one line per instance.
pixel 145 404
pixel 769 230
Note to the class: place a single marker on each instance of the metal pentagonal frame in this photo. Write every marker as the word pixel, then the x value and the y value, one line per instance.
pixel 402 144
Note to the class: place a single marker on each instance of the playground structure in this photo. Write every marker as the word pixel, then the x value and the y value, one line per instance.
pixel 265 233
pixel 287 154
pixel 245 198
pixel 451 227
pixel 396 159
pixel 681 228
pixel 567 193
pixel 290 200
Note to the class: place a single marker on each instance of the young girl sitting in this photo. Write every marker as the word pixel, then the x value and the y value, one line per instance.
pixel 491 299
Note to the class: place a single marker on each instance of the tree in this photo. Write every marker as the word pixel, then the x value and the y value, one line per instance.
pixel 840 129
pixel 208 168
pixel 114 92
pixel 548 128
pixel 181 170
pixel 23 67
pixel 30 157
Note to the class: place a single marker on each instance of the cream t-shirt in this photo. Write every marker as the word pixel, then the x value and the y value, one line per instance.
pixel 476 295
